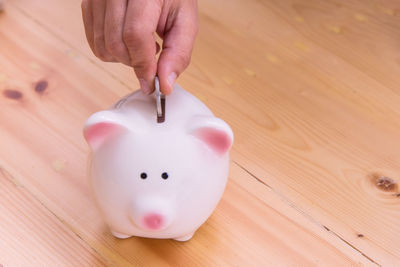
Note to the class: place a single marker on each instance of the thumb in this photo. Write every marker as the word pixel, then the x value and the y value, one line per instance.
pixel 177 48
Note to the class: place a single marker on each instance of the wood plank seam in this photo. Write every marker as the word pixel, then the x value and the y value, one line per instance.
pixel 11 178
pixel 306 215
pixel 69 227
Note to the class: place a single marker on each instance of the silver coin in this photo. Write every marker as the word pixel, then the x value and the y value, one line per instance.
pixel 158 97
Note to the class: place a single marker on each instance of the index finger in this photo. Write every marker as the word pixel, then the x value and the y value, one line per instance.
pixel 140 24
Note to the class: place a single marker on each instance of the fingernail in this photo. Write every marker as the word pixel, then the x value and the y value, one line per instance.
pixel 144 86
pixel 171 79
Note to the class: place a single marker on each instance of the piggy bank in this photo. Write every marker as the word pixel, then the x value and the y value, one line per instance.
pixel 157 180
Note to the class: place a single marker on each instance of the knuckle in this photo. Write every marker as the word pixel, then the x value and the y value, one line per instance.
pixel 184 58
pixel 130 38
pixel 144 66
pixel 141 65
pixel 115 47
pixel 102 55
pixel 85 4
pixel 132 34
pixel 98 39
pixel 131 41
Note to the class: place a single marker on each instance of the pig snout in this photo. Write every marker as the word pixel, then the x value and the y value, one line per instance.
pixel 153 221
pixel 152 214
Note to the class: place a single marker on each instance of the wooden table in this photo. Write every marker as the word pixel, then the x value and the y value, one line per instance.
pixel 310 88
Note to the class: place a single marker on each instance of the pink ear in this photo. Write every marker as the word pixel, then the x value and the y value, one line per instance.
pixel 219 141
pixel 98 133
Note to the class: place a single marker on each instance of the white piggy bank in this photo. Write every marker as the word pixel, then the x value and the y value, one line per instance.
pixel 158 180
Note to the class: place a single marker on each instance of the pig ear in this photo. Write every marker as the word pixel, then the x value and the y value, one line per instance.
pixel 102 126
pixel 214 132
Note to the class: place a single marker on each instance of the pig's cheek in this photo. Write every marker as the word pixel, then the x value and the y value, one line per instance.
pixel 209 175
pixel 110 187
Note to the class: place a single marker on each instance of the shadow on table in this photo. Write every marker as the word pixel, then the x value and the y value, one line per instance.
pixel 169 251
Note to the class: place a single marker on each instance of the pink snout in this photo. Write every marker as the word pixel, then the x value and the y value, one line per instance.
pixel 152 213
pixel 154 221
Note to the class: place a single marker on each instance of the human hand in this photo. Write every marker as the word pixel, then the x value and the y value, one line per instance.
pixel 123 31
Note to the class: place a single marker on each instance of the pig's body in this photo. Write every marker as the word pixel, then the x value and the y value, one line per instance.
pixel 158 180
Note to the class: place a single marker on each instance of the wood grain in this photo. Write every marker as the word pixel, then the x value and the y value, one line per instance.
pixel 42 146
pixel 310 89
pixel 32 234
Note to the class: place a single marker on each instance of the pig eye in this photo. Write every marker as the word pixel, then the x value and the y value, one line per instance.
pixel 143 175
pixel 164 175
